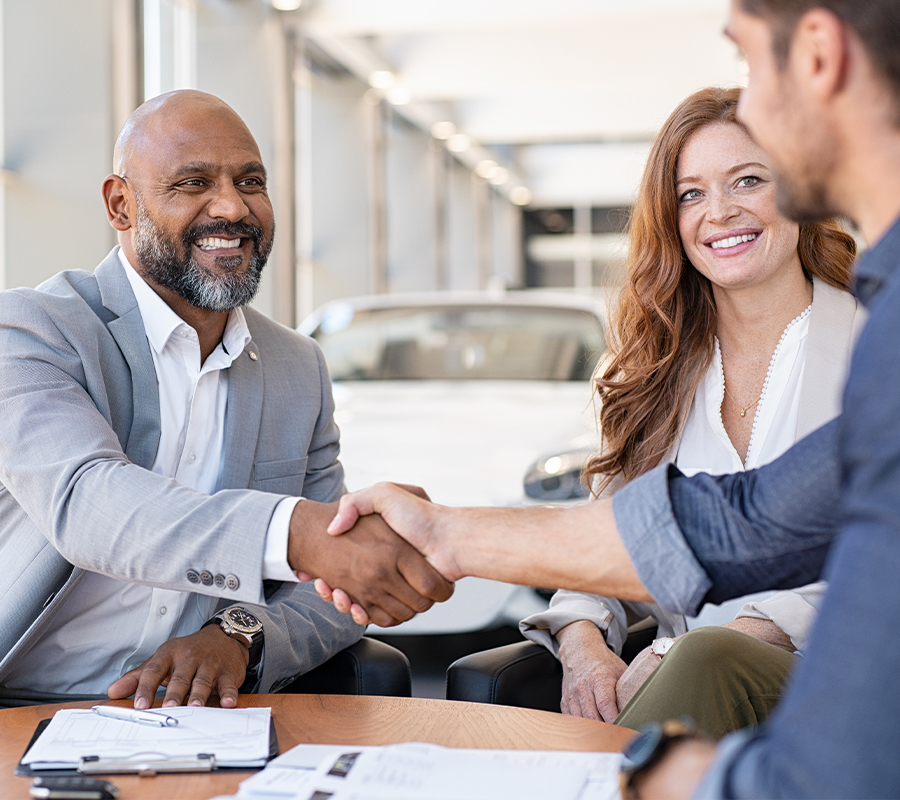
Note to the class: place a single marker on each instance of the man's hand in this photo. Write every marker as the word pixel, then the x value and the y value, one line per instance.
pixel 409 511
pixel 501 544
pixel 191 668
pixel 633 678
pixel 383 577
pixel 679 772
pixel 590 672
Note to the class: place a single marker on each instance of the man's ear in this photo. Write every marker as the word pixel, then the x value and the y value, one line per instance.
pixel 821 52
pixel 116 200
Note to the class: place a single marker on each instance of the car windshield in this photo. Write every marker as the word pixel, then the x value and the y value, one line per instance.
pixel 529 343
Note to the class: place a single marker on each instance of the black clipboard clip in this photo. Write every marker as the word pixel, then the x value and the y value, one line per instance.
pixel 94 765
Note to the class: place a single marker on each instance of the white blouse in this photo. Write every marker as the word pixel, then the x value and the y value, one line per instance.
pixel 705 447
pixel 799 394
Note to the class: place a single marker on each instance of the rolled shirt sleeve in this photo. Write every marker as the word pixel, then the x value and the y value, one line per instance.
pixel 712 538
pixel 659 552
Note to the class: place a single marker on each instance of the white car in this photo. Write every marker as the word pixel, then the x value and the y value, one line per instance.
pixel 481 398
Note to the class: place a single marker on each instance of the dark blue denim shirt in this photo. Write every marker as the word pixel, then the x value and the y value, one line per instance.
pixel 829 507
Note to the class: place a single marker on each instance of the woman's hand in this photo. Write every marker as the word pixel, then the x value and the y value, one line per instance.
pixel 633 678
pixel 590 672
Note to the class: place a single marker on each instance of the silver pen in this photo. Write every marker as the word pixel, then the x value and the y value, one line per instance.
pixel 133 715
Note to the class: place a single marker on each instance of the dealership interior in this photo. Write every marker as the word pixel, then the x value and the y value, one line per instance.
pixel 412 146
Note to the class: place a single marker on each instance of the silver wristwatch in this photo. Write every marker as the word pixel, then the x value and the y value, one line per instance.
pixel 661 646
pixel 240 624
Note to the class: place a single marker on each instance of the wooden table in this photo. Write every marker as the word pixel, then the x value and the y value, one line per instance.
pixel 337 719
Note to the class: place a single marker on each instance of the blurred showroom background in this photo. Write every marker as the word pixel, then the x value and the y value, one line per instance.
pixel 412 146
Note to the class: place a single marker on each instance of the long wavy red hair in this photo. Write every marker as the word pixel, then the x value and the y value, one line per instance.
pixel 664 325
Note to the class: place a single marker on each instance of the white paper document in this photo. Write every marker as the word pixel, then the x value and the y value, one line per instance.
pixel 237 737
pixel 420 771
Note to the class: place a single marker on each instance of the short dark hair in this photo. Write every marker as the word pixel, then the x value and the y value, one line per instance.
pixel 875 22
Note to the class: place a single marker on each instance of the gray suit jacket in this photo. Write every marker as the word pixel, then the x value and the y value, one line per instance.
pixel 79 405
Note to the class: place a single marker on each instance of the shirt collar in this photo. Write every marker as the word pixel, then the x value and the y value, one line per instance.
pixel 877 265
pixel 160 321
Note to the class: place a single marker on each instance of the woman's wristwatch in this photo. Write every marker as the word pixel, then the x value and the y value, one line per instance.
pixel 648 748
pixel 659 647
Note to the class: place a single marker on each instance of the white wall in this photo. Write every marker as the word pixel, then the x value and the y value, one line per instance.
pixel 409 179
pixel 57 137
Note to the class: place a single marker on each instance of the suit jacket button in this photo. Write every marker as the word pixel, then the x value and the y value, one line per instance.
pixel 232 582
pixel 206 578
pixel 193 576
pixel 219 580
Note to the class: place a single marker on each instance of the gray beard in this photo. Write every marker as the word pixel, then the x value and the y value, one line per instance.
pixel 159 257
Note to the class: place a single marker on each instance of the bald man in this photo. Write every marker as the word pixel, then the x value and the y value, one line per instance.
pixel 157 437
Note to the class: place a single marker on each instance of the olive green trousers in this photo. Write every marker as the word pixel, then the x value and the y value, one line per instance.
pixel 723 679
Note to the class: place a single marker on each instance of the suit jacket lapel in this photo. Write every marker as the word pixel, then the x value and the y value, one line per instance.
pixel 243 415
pixel 127 328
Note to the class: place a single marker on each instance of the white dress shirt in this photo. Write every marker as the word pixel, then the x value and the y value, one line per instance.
pixel 110 626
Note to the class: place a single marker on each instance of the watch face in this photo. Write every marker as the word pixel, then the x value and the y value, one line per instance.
pixel 662 645
pixel 242 619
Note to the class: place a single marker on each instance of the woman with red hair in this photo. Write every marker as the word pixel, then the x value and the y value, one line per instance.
pixel 731 341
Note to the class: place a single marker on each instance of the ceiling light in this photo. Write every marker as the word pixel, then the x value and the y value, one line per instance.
pixel 399 96
pixel 287 5
pixel 553 464
pixel 382 79
pixel 484 168
pixel 498 176
pixel 520 195
pixel 443 130
pixel 458 143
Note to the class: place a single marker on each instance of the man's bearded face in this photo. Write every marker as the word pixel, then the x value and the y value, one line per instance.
pixel 167 261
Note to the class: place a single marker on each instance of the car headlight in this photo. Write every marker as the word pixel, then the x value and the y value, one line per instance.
pixel 558 477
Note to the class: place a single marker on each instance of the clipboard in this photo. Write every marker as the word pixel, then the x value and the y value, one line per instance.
pixel 205 762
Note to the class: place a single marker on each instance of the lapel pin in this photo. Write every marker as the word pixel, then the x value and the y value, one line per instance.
pixel 253 355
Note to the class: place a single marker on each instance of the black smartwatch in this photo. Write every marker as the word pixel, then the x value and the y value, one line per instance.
pixel 240 624
pixel 649 746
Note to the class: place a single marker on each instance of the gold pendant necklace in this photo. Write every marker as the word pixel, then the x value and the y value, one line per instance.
pixel 742 408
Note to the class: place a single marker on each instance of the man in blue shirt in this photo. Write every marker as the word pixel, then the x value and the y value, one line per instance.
pixel 824 101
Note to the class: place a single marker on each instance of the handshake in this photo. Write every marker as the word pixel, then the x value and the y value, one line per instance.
pixel 387 553
pixel 376 554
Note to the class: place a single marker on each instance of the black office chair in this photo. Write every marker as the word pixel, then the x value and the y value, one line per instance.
pixel 523 674
pixel 367 667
